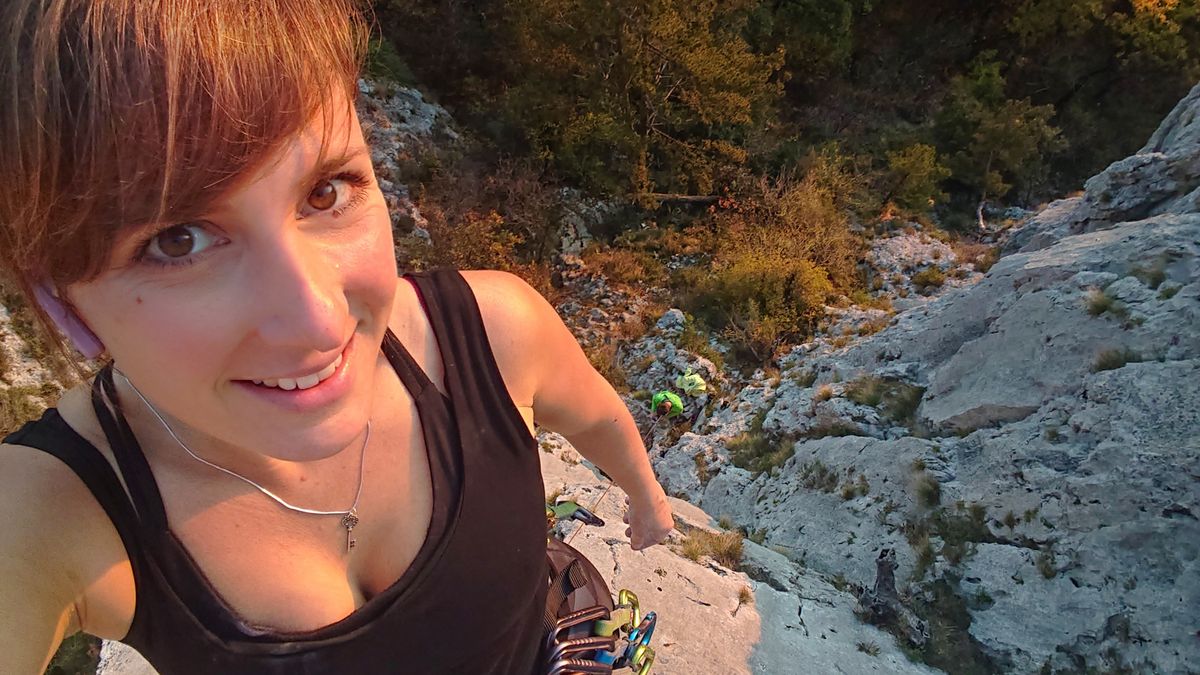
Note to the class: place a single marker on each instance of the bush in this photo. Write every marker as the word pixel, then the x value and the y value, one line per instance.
pixel 18 405
pixel 625 266
pixel 757 452
pixel 815 475
pixel 723 547
pixel 929 491
pixel 913 176
pixel 783 248
pixel 1111 359
pixel 930 277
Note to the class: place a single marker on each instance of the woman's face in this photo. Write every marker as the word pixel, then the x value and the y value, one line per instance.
pixel 227 322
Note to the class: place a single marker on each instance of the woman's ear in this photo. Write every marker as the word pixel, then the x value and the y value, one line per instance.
pixel 68 321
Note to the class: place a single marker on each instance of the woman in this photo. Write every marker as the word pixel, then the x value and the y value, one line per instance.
pixel 293 461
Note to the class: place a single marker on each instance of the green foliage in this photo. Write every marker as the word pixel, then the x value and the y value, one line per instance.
pixel 930 277
pixel 1099 302
pixel 992 141
pixel 79 654
pixel 702 473
pixel 913 177
pixel 865 391
pixel 635 97
pixel 868 648
pixel 384 62
pixel 1046 563
pixel 782 251
pixel 816 35
pixel 759 452
pixel 18 405
pixel 694 338
pixel 928 490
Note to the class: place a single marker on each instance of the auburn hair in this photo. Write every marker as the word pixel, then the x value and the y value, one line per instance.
pixel 118 113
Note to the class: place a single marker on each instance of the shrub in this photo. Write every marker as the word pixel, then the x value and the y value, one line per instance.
pixel 783 246
pixel 18 405
pixel 929 491
pixel 603 358
pixel 1045 563
pixel 702 473
pixel 815 475
pixel 758 452
pixel 930 277
pixel 805 378
pixel 868 648
pixel 824 393
pixel 725 523
pixel 1152 275
pixel 1099 302
pixel 1111 359
pixel 865 391
pixel 723 547
pixel 625 266
pixel 693 339
pixel 1168 292
pixel 913 175
pixel 834 427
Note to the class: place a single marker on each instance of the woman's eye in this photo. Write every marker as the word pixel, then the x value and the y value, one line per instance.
pixel 336 194
pixel 178 243
pixel 324 196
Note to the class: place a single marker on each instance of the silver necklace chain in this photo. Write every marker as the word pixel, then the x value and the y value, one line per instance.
pixel 349 516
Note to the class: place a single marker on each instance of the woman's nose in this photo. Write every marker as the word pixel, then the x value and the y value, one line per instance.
pixel 297 297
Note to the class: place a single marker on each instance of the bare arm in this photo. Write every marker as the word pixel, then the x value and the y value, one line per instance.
pixel 571 398
pixel 37 596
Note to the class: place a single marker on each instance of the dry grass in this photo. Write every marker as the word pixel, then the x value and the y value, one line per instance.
pixel 625 266
pixel 604 359
pixel 723 547
pixel 1111 359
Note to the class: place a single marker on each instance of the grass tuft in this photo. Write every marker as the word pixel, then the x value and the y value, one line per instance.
pixel 1111 359
pixel 723 547
pixel 868 648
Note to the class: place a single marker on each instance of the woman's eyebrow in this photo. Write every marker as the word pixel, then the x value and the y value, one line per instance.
pixel 332 163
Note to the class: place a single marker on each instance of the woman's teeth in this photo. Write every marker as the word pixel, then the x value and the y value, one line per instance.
pixel 306 382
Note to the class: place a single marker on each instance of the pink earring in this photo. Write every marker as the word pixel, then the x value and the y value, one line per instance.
pixel 68 321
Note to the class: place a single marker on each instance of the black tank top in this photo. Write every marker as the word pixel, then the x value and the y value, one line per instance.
pixel 472 600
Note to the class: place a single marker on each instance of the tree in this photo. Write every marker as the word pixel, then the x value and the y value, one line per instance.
pixel 632 96
pixel 993 141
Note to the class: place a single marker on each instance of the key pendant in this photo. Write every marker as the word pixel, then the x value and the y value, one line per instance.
pixel 348 522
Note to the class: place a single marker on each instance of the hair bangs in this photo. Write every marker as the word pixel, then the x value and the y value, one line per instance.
pixel 145 112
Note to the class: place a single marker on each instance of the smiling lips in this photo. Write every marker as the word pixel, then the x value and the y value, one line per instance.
pixel 306 382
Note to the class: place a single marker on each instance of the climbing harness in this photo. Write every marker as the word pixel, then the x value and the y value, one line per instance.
pixel 586 632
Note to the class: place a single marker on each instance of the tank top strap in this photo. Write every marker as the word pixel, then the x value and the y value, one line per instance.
pixel 406 367
pixel 51 434
pixel 484 410
pixel 128 452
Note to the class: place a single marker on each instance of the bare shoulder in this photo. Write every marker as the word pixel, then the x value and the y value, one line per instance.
pixel 511 313
pixel 60 555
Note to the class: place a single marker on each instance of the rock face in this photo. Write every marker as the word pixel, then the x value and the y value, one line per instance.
pixel 1049 470
pixel 796 618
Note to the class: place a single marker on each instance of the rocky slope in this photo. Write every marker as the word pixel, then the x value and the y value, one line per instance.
pixel 1049 471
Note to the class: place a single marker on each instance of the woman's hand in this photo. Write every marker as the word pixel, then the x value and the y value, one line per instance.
pixel 649 519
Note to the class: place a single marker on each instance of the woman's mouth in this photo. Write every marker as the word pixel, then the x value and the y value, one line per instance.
pixel 306 382
pixel 307 392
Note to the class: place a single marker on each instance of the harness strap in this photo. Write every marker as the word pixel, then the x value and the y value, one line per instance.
pixel 565 583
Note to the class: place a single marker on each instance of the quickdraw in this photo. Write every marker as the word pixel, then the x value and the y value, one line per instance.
pixel 620 638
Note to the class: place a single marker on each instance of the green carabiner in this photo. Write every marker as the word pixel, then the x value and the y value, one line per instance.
pixel 643 660
pixel 627 597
